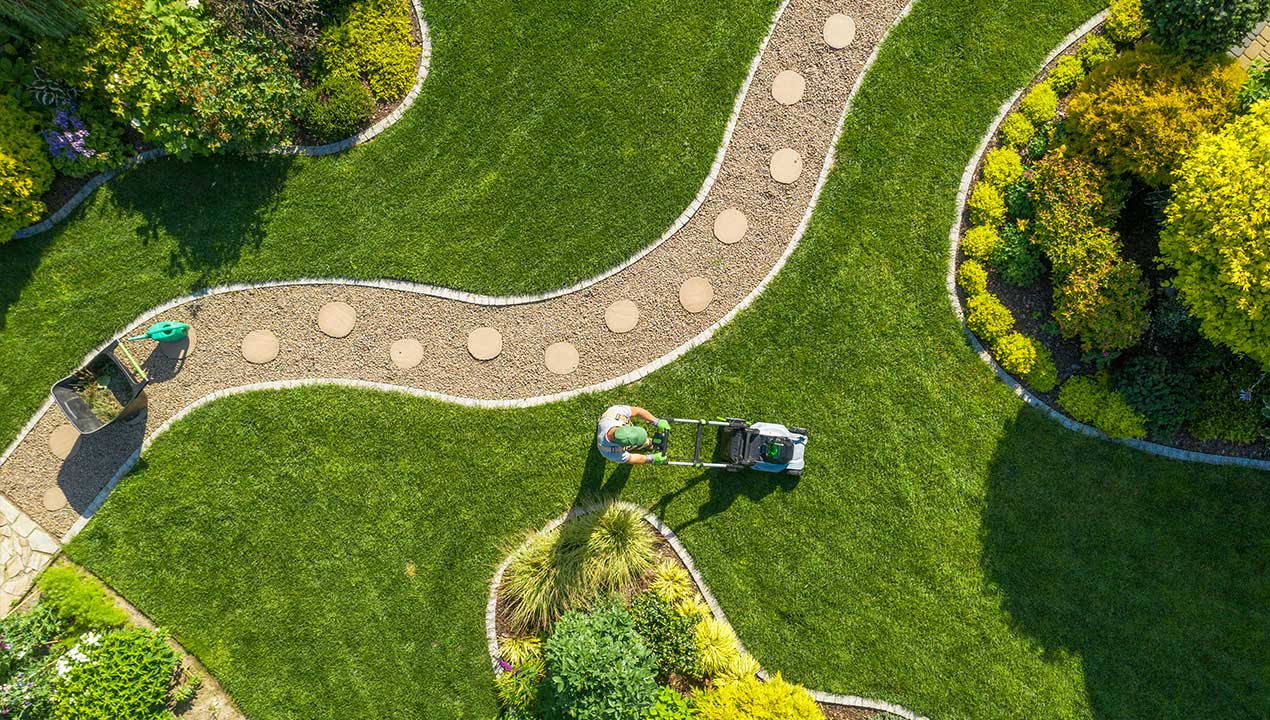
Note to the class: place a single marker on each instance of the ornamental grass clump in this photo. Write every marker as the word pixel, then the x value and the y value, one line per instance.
pixel 672 582
pixel 570 566
pixel 717 646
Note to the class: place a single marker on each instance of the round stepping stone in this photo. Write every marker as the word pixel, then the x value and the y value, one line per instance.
pixel 788 87
pixel 561 358
pixel 621 316
pixel 180 349
pixel 839 31
pixel 484 343
pixel 695 294
pixel 54 499
pixel 730 226
pixel 406 353
pixel 260 347
pixel 62 440
pixel 786 165
pixel 337 319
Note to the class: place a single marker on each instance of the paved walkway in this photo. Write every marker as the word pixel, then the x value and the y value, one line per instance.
pixel 1254 48
pixel 610 330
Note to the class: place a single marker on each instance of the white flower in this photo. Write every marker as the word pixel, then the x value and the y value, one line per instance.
pixel 191 4
pixel 62 667
pixel 91 639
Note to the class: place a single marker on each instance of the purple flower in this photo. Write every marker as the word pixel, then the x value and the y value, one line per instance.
pixel 1245 394
pixel 69 139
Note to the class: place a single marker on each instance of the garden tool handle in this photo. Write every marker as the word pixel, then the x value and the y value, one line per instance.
pixel 135 365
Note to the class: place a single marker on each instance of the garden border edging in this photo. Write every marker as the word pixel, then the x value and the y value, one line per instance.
pixel 491 606
pixel 101 178
pixel 950 282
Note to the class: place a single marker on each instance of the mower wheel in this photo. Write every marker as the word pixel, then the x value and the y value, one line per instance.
pixel 799 431
pixel 794 473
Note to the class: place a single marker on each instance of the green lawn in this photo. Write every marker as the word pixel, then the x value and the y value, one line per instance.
pixel 948 548
pixel 500 179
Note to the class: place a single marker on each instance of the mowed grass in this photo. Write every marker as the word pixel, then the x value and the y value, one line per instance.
pixel 948 548
pixel 551 140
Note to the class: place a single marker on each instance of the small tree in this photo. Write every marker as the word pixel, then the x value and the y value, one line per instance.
pixel 1217 235
pixel 1202 27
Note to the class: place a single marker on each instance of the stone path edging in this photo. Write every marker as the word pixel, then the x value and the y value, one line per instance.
pixel 491 606
pixel 101 178
pixel 950 281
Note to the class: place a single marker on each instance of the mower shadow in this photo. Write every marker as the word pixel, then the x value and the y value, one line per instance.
pixel 724 488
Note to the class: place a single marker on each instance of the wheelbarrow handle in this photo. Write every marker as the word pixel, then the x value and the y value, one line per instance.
pixel 133 361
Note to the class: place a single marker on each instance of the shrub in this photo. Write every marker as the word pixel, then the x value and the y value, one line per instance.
pixel 672 582
pixel 1040 105
pixel 988 318
pixel 1071 195
pixel 972 278
pixel 25 173
pixel 1088 251
pixel 1164 395
pixel 1001 167
pixel 1068 71
pixel 337 107
pixel 669 634
pixel 1216 235
pixel 1223 415
pixel 1090 400
pixel 1040 142
pixel 1125 23
pixel 1017 258
pixel 517 687
pixel 1103 304
pixel 980 241
pixel 568 567
pixel 986 205
pixel 1256 88
pixel 1202 27
pixel 83 142
pixel 597 669
pixel 79 600
pixel 716 647
pixel 753 699
pixel 371 41
pixel 1095 51
pixel 670 705
pixel 121 674
pixel 291 24
pixel 519 651
pixel 1018 199
pixel 1016 130
pixel 1142 112
pixel 1016 353
pixel 1044 376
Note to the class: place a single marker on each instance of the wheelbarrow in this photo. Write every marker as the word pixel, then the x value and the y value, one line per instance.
pixel 103 391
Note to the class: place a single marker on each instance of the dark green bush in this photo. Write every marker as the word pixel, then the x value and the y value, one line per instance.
pixel 1167 396
pixel 1202 27
pixel 337 108
pixel 1224 415
pixel 597 668
pixel 126 676
pixel 670 635
pixel 1017 258
pixel 79 599
pixel 1018 199
pixel 1039 143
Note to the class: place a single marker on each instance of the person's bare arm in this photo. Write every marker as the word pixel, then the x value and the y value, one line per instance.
pixel 643 414
pixel 637 459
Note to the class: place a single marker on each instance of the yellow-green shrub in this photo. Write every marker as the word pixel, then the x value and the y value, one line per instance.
pixel 1040 105
pixel 1095 51
pixel 1091 400
pixel 1016 130
pixel 987 206
pixel 1142 112
pixel 371 41
pixel 1043 376
pixel 717 644
pixel 1016 353
pixel 972 277
pixel 1104 304
pixel 988 317
pixel 1001 167
pixel 980 241
pixel 1217 235
pixel 1066 73
pixel 1125 23
pixel 25 172
pixel 753 699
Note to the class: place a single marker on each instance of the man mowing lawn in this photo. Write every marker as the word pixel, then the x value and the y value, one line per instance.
pixel 619 440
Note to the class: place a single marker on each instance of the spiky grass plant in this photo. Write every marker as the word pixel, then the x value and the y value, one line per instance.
pixel 672 582
pixel 520 651
pixel 589 556
pixel 718 646
pixel 745 666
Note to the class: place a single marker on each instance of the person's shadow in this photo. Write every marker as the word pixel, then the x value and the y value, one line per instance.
pixel 594 485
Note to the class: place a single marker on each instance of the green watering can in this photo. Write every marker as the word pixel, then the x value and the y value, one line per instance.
pixel 165 331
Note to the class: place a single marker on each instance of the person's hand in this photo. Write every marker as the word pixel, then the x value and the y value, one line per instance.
pixel 663 424
pixel 657 458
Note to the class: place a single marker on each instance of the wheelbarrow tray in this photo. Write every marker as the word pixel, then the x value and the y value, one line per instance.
pixel 76 408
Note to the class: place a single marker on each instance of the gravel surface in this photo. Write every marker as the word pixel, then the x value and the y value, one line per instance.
pixel 441 326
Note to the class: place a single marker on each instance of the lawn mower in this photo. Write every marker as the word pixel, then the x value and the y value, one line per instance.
pixel 766 447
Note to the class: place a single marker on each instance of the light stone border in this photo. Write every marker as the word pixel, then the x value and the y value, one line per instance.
pixel 950 283
pixel 447 293
pixel 101 178
pixel 491 606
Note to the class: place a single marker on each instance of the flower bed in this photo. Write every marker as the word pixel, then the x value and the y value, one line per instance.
pixel 191 77
pixel 1082 267
pixel 598 616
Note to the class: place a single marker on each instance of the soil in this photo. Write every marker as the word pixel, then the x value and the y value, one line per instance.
pixel 1032 307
